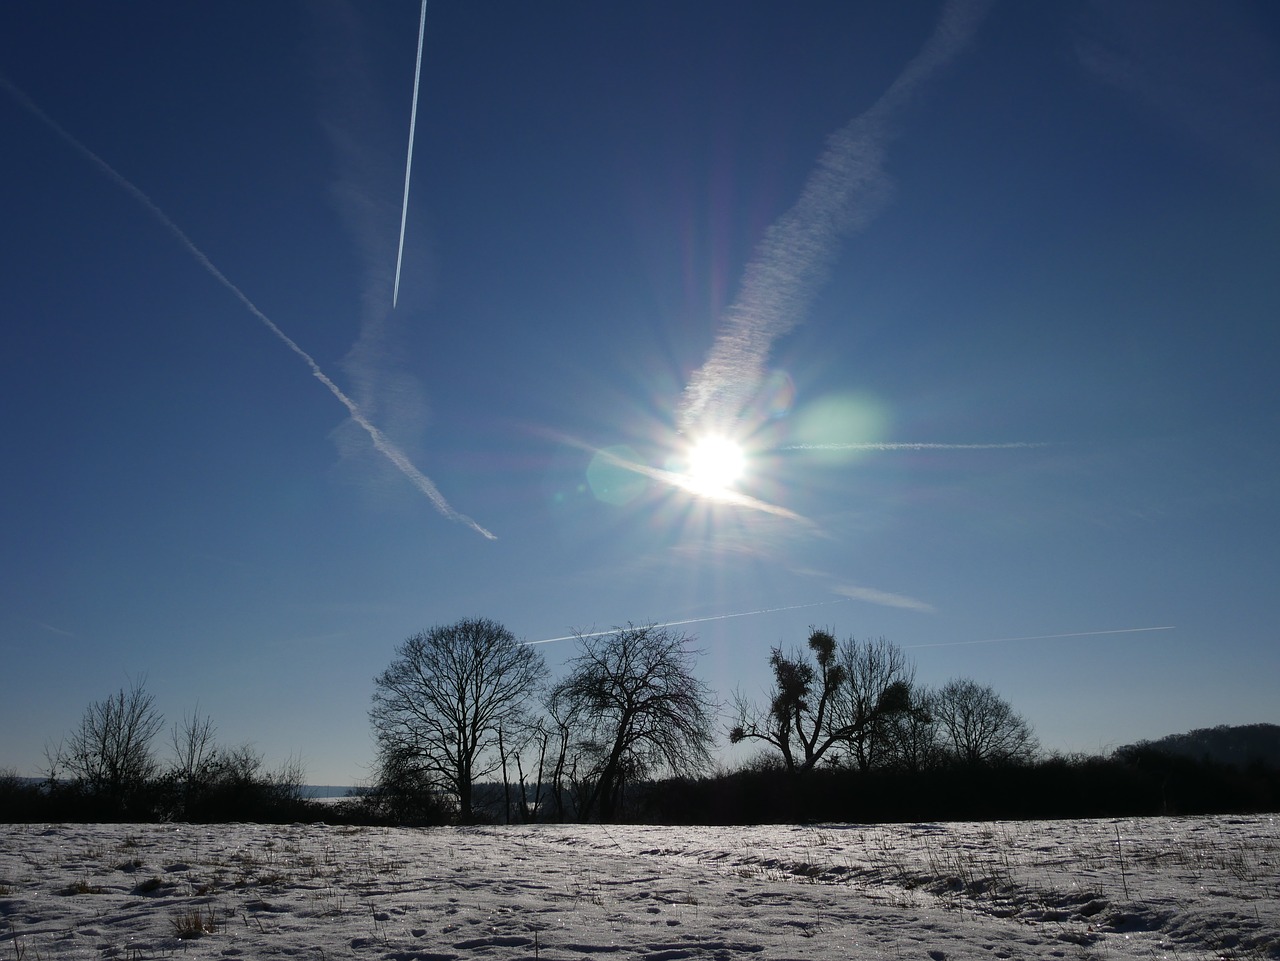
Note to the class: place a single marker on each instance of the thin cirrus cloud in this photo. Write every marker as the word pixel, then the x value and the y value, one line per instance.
pixel 872 595
pixel 846 190
pixel 380 441
pixel 863 594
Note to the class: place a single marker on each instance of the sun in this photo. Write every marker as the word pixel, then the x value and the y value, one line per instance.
pixel 715 464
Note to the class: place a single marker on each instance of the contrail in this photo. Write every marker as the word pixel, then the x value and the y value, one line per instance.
pixel 875 445
pixel 408 164
pixel 697 620
pixel 51 629
pixel 845 191
pixel 1039 637
pixel 799 607
pixel 380 440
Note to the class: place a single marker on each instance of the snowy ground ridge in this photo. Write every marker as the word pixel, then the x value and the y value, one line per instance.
pixel 1177 888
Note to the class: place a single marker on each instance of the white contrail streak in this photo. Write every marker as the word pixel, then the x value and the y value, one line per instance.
pixel 380 440
pixel 875 445
pixel 51 629
pixel 696 620
pixel 845 191
pixel 1040 637
pixel 408 164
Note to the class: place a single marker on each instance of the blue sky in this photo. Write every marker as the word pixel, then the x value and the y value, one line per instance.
pixel 1017 381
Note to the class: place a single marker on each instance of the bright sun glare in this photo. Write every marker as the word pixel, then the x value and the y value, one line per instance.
pixel 715 464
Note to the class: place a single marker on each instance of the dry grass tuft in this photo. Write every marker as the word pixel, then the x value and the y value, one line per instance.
pixel 81 887
pixel 194 923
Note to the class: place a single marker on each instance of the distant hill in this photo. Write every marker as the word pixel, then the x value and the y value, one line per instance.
pixel 1239 746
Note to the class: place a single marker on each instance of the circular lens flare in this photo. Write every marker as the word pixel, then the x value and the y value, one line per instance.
pixel 715 465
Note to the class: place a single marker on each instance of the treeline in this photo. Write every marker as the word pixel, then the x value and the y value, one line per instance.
pixel 845 733
pixel 108 769
pixel 1127 783
pixel 469 727
pixel 1242 745
pixel 1143 785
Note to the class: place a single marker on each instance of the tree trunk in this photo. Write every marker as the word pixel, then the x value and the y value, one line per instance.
pixel 464 792
pixel 506 783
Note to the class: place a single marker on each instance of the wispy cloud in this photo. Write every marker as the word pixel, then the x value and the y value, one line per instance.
pixel 873 595
pixel 380 442
pixel 356 120
pixel 846 190
pixel 861 592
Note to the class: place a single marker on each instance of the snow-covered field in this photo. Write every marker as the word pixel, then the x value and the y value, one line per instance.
pixel 1179 888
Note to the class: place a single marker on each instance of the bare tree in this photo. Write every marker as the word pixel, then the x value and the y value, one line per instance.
pixel 110 753
pixel 632 698
pixel 558 723
pixel 814 706
pixel 871 702
pixel 194 756
pixel 796 722
pixel 980 727
pixel 539 751
pixel 524 744
pixel 405 792
pixel 912 739
pixel 438 708
pixel 194 748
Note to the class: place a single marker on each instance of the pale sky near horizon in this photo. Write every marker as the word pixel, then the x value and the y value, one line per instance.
pixel 1003 370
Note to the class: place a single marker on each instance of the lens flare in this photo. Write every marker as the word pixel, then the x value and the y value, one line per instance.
pixel 612 476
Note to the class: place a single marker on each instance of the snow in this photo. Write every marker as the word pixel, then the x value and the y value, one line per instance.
pixel 1179 888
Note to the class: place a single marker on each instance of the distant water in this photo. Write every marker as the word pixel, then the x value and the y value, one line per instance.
pixel 327 791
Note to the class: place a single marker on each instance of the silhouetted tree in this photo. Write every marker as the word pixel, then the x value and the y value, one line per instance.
pixel 635 706
pixel 980 727
pixel 110 755
pixel 814 708
pixel 874 702
pixel 405 791
pixel 558 723
pixel 23 799
pixel 194 751
pixel 796 721
pixel 913 740
pixel 438 708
